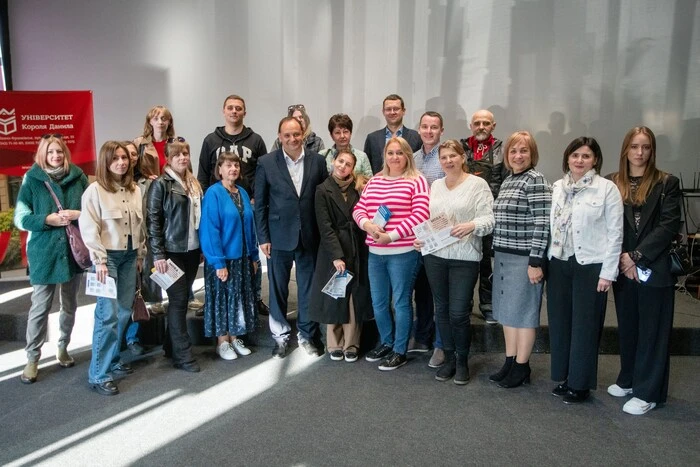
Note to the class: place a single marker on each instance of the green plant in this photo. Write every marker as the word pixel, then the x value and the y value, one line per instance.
pixel 7 221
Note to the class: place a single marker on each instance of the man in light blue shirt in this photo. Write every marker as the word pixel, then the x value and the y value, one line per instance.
pixel 428 163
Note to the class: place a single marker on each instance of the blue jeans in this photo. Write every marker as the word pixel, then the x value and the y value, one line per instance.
pixel 112 316
pixel 392 277
pixel 132 333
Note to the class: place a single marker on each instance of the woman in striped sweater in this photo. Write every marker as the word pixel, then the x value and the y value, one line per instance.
pixel 520 238
pixel 393 263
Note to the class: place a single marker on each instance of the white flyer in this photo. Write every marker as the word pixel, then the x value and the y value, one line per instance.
pixel 435 234
pixel 168 278
pixel 337 284
pixel 98 289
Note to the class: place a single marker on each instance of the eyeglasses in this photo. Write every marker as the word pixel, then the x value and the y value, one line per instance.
pixel 292 108
pixel 52 135
pixel 179 139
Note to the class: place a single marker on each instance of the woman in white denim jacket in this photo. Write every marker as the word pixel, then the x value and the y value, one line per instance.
pixel 586 241
pixel 111 223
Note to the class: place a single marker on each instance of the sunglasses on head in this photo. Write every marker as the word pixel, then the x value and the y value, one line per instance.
pixel 294 107
pixel 179 139
pixel 52 135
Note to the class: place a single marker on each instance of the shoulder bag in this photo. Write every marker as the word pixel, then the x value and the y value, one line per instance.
pixel 81 255
pixel 680 259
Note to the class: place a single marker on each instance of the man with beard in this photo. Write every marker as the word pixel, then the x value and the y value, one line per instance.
pixel 485 159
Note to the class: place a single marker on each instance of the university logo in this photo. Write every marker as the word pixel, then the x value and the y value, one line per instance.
pixel 8 122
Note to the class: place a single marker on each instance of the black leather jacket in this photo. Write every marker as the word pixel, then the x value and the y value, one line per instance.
pixel 168 217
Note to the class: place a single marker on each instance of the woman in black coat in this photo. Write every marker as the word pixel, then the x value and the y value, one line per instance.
pixel 644 291
pixel 342 249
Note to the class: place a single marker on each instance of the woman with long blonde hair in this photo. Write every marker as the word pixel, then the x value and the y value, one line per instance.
pixel 50 260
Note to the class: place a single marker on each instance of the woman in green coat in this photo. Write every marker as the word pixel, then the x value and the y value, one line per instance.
pixel 50 260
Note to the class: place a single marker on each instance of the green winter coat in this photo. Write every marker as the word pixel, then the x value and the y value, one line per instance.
pixel 48 251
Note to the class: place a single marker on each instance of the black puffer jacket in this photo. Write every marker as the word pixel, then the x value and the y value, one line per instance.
pixel 168 217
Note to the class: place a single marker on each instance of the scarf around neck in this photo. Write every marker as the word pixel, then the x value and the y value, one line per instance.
pixel 480 148
pixel 562 244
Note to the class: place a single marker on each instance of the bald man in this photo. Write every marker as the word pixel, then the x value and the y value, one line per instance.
pixel 485 159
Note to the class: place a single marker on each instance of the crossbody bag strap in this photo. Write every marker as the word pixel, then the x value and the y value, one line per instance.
pixel 53 195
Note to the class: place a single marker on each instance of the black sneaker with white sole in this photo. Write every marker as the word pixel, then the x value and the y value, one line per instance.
pixel 379 353
pixel 392 362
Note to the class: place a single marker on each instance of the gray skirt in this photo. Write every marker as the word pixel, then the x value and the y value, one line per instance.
pixel 516 302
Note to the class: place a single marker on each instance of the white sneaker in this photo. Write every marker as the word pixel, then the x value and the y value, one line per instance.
pixel 225 351
pixel 637 406
pixel 240 347
pixel 616 391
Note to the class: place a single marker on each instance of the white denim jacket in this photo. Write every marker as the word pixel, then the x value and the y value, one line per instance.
pixel 107 219
pixel 596 224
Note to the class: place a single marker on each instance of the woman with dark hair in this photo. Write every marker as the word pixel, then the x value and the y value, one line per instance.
pixel 340 128
pixel 174 209
pixel 50 259
pixel 644 291
pixel 466 201
pixel 312 142
pixel 145 171
pixel 520 238
pixel 111 226
pixel 399 189
pixel 586 231
pixel 229 244
pixel 341 249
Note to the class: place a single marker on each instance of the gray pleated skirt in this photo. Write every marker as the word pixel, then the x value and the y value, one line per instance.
pixel 516 302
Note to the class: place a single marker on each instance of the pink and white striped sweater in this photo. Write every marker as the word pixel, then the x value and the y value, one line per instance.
pixel 409 203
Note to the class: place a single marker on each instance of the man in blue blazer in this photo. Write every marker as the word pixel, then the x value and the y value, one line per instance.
pixel 285 217
pixel 393 109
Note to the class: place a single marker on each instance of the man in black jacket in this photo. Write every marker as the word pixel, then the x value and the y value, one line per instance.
pixel 249 146
pixel 485 159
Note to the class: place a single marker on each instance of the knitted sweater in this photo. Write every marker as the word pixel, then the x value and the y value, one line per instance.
pixel 522 216
pixel 469 201
pixel 408 201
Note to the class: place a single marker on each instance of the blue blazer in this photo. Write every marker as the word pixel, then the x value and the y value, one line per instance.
pixel 281 216
pixel 375 142
pixel 221 230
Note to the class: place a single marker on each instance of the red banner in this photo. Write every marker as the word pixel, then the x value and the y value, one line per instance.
pixel 25 116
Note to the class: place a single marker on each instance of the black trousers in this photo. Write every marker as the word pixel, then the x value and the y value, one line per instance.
pixel 485 272
pixel 424 324
pixel 452 282
pixel 576 312
pixel 645 320
pixel 177 339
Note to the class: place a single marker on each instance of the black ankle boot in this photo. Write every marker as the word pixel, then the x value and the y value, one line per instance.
pixel 447 370
pixel 518 374
pixel 503 372
pixel 462 370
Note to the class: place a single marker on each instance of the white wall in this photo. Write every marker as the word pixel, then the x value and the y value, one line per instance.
pixel 557 68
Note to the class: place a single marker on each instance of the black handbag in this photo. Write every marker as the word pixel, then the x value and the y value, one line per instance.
pixel 678 254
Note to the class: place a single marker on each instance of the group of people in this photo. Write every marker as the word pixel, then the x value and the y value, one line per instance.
pixel 339 211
